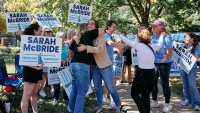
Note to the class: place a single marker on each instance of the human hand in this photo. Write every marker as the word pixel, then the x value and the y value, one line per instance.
pixel 81 48
pixel 40 67
pixel 162 34
pixel 164 59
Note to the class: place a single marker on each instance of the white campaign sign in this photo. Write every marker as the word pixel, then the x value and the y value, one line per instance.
pixel 174 71
pixel 17 21
pixel 38 50
pixel 66 79
pixel 47 20
pixel 134 56
pixel 118 64
pixel 79 13
pixel 184 59
pixel 53 77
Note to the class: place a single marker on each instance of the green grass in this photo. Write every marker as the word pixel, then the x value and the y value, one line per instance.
pixel 46 104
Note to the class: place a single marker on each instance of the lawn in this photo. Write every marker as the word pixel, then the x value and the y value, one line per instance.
pixel 46 104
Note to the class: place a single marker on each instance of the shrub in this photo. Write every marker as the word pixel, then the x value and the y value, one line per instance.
pixel 7 50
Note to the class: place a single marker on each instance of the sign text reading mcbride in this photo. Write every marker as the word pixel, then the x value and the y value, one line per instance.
pixel 183 58
pixel 47 20
pixel 17 21
pixel 79 13
pixel 36 50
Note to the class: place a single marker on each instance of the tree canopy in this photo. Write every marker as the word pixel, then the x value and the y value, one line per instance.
pixel 179 15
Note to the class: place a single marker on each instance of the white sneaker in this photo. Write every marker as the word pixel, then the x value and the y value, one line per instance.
pixel 55 102
pixel 119 109
pixel 197 108
pixel 154 104
pixel 167 108
pixel 106 100
pixel 52 90
pixel 112 106
pixel 42 93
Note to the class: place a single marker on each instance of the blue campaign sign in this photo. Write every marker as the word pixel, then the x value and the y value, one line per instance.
pixel 174 71
pixel 47 20
pixel 36 50
pixel 17 21
pixel 79 13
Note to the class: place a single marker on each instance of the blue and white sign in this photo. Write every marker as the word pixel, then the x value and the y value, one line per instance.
pixel 17 21
pixel 47 20
pixel 53 77
pixel 118 65
pixel 66 80
pixel 79 13
pixel 174 71
pixel 134 57
pixel 36 50
pixel 183 58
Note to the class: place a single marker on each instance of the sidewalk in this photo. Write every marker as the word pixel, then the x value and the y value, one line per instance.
pixel 130 106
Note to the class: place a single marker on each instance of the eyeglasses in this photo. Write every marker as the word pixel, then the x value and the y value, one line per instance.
pixel 48 31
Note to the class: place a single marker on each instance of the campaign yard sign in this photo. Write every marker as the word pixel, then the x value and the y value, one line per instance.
pixel 79 13
pixel 66 80
pixel 183 58
pixel 53 77
pixel 17 21
pixel 47 20
pixel 36 50
pixel 134 57
pixel 118 64
pixel 174 71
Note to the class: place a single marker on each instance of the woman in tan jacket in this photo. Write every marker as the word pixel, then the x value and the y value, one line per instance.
pixel 102 70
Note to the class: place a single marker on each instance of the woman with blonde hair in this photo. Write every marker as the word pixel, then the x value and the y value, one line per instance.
pixel 144 78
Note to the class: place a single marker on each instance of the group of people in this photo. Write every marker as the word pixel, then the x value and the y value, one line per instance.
pixel 90 54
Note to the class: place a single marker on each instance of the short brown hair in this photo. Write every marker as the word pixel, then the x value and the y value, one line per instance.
pixel 144 36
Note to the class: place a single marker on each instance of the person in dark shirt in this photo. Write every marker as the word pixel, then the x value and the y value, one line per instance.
pixel 80 67
pixel 31 76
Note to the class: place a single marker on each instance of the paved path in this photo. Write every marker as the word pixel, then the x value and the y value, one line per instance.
pixel 130 106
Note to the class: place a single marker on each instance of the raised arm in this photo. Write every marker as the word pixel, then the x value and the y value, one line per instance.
pixel 128 41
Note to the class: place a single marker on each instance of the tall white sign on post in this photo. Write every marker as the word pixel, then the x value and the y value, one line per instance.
pixel 17 21
pixel 79 13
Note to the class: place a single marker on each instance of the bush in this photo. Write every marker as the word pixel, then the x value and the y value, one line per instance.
pixel 8 50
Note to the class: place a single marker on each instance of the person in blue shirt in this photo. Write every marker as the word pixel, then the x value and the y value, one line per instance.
pixel 190 92
pixel 64 56
pixel 163 62
pixel 110 44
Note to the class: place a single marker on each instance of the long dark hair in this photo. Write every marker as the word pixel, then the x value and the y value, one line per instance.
pixel 30 29
pixel 195 41
pixel 109 23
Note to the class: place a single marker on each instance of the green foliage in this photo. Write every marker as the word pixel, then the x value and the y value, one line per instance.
pixel 7 50
pixel 180 15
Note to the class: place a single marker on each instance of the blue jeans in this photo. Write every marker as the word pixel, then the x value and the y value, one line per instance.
pixel 107 75
pixel 162 71
pixel 190 92
pixel 80 85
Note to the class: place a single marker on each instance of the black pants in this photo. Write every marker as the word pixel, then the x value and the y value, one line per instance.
pixel 162 71
pixel 141 88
